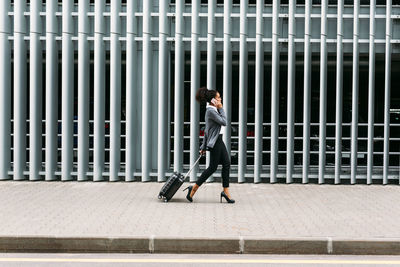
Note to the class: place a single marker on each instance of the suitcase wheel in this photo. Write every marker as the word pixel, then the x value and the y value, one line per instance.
pixel 159 196
pixel 165 200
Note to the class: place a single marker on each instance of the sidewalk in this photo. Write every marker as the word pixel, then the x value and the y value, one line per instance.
pixel 266 218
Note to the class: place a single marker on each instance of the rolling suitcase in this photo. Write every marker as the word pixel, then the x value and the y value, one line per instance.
pixel 174 183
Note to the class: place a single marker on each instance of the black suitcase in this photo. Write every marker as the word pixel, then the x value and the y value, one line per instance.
pixel 173 184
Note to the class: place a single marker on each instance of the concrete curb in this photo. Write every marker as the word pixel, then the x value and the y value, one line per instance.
pixel 323 246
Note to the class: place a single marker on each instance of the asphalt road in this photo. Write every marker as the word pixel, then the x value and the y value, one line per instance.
pixel 169 260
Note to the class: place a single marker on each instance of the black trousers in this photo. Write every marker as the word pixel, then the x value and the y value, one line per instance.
pixel 218 155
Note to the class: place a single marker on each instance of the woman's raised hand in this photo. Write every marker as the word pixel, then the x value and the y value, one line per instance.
pixel 219 104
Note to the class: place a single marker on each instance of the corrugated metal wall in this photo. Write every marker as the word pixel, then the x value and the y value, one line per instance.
pixel 98 91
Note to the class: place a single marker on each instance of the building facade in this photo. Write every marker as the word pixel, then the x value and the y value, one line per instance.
pixel 104 90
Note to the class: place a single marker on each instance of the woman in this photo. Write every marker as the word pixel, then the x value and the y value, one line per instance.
pixel 215 118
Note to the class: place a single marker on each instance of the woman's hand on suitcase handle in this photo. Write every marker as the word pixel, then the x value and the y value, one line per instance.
pixel 202 152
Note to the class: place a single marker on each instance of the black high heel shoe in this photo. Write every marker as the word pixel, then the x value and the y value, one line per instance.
pixel 189 188
pixel 229 200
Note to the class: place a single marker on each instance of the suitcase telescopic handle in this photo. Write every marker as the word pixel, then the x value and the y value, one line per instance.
pixel 192 167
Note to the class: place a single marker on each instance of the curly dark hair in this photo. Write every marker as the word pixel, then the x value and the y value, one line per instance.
pixel 204 95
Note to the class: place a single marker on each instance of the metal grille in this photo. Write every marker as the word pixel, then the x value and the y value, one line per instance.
pixel 105 90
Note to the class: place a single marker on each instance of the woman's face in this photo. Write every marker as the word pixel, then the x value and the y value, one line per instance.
pixel 218 97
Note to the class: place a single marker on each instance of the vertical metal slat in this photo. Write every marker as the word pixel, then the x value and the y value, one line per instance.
pixel 99 92
pixel 195 84
pixel 115 91
pixel 131 90
pixel 371 92
pixel 51 155
pixel 243 87
pixel 307 92
pixel 83 91
pixel 227 73
pixel 211 57
pixel 20 90
pixel 291 93
pixel 258 146
pixel 67 127
pixel 35 106
pixel 354 120
pixel 275 91
pixel 323 93
pixel 179 87
pixel 339 93
pixel 146 91
pixel 5 90
pixel 162 92
pixel 211 49
pixel 388 58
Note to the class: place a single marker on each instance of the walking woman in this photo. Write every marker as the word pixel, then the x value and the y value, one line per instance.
pixel 215 119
